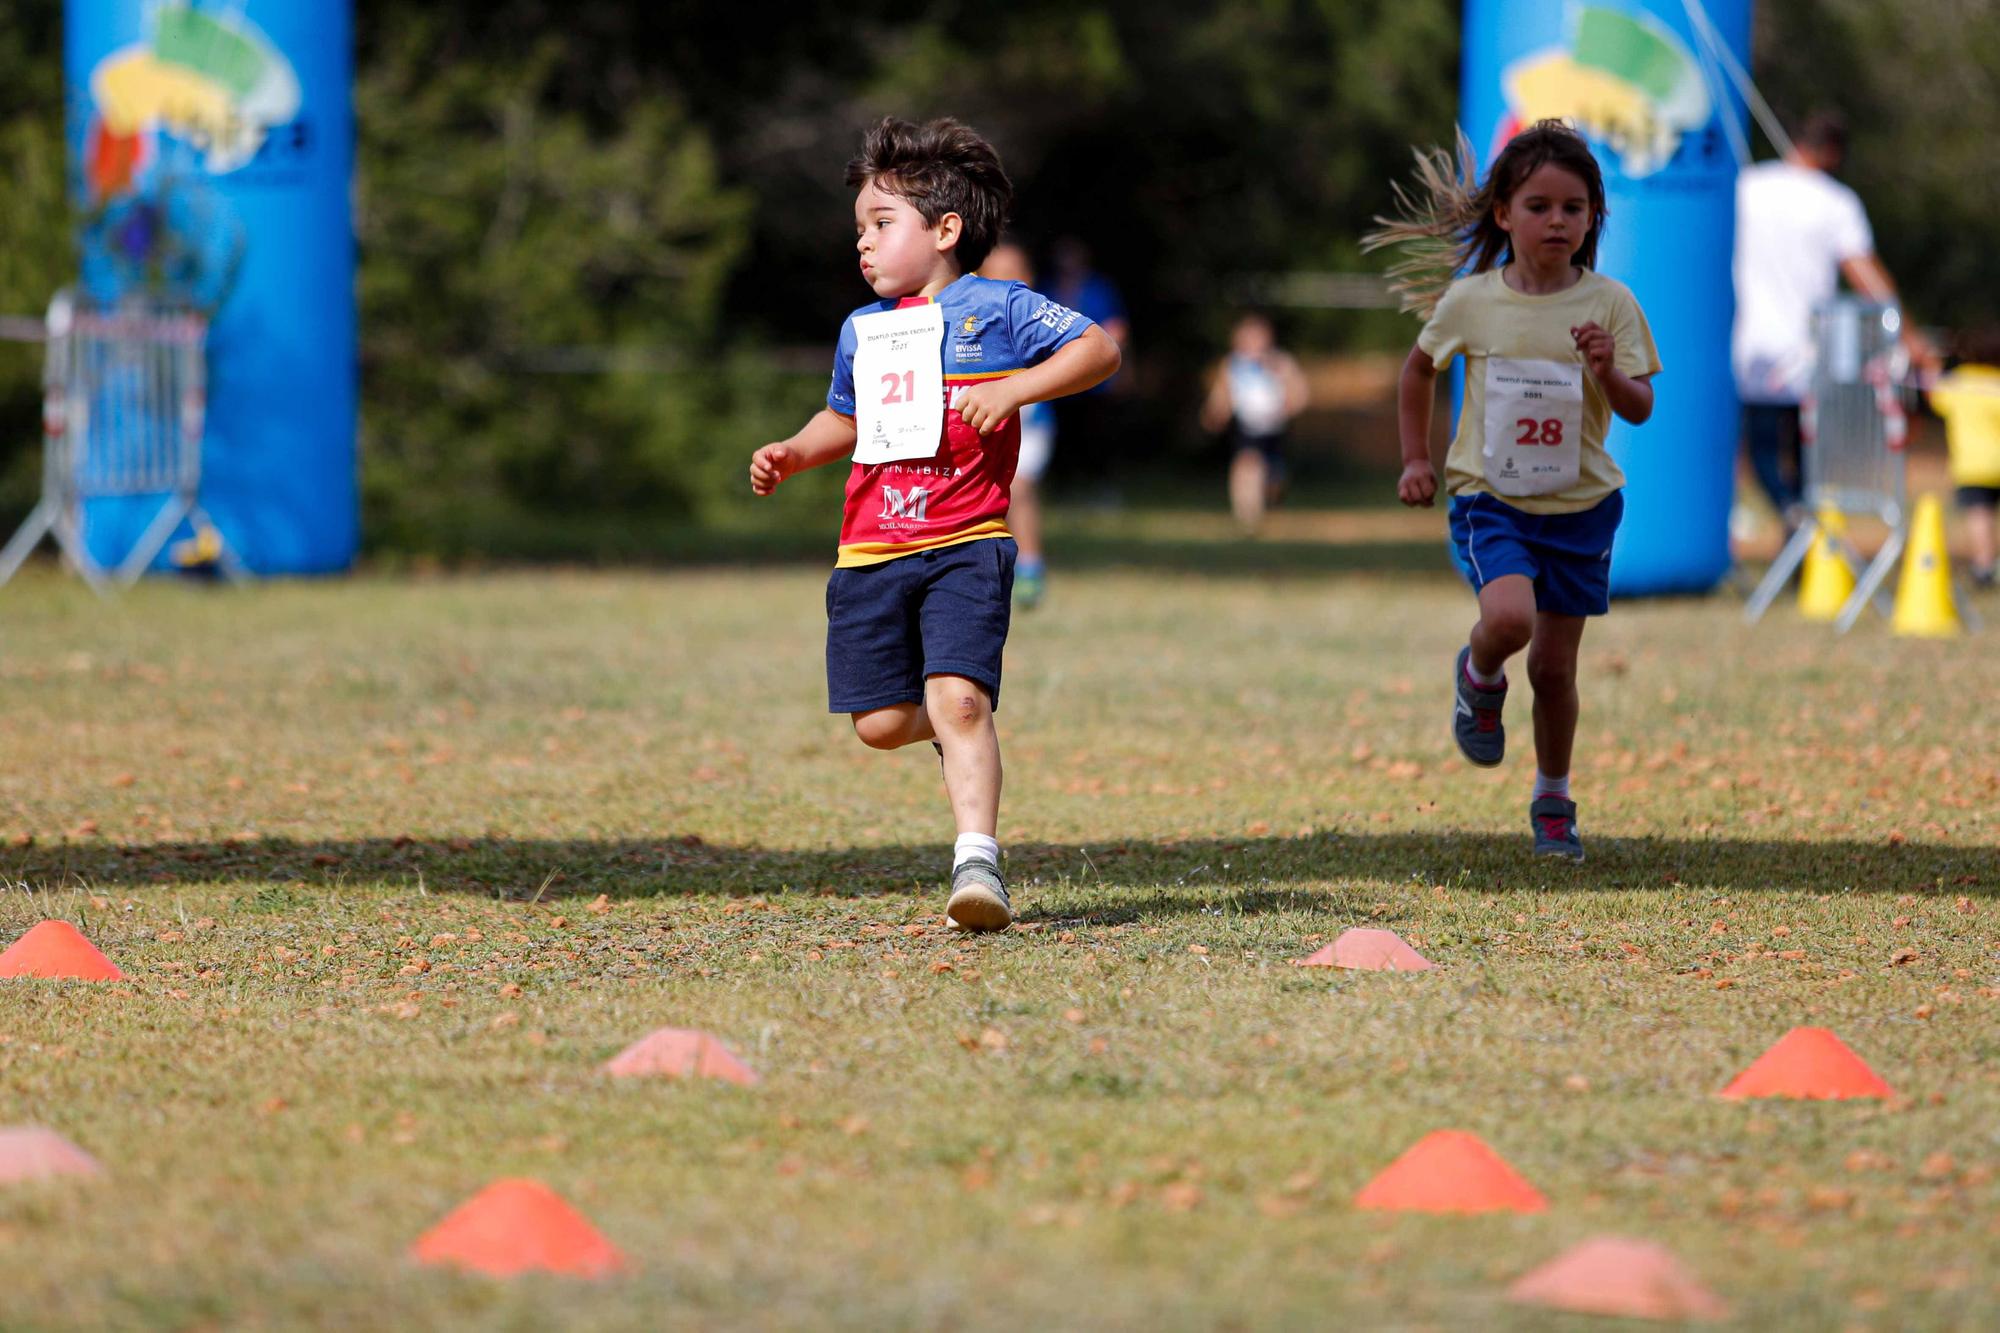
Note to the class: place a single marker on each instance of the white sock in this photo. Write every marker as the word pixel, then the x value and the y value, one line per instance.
pixel 1548 786
pixel 975 845
pixel 1480 677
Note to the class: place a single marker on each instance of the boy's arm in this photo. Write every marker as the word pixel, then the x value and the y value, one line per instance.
pixel 829 436
pixel 1416 389
pixel 1082 363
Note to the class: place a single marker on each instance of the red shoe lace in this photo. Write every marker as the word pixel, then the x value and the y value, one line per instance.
pixel 1555 828
pixel 1486 719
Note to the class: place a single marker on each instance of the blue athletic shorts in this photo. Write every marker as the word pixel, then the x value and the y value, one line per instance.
pixel 1567 555
pixel 940 612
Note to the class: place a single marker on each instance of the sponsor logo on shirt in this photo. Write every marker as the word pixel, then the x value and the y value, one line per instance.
pixel 1053 316
pixel 909 504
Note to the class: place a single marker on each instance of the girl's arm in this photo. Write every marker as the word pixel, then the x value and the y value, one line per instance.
pixel 827 437
pixel 1081 363
pixel 1631 397
pixel 1415 392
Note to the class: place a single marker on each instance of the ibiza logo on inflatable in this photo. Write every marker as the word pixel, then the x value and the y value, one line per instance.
pixel 206 79
pixel 1623 79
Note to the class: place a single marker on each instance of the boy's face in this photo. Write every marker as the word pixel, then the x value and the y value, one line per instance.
pixel 899 252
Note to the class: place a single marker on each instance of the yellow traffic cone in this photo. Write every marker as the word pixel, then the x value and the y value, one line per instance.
pixel 1924 605
pixel 1826 580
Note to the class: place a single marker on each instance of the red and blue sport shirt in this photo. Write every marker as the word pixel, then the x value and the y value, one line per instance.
pixel 991 329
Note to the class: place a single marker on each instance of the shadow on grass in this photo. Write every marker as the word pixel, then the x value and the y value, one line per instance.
pixel 617 542
pixel 1143 878
pixel 1301 559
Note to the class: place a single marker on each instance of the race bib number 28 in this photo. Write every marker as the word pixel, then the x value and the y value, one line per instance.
pixel 899 384
pixel 1534 426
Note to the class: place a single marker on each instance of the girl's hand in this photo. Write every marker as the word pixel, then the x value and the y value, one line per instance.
pixel 771 465
pixel 1599 348
pixel 1418 484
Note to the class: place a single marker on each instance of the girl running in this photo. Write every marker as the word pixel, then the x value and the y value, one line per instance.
pixel 1552 349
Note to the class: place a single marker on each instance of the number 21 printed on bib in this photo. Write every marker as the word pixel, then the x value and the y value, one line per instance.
pixel 899 384
pixel 1534 426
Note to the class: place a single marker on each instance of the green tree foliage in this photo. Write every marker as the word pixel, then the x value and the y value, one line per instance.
pixel 34 241
pixel 604 245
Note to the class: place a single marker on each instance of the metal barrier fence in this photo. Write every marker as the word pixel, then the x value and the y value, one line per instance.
pixel 124 400
pixel 1852 429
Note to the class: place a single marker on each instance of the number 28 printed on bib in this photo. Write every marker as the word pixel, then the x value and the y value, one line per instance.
pixel 1534 426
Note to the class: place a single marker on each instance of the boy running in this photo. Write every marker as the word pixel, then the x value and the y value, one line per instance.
pixel 928 384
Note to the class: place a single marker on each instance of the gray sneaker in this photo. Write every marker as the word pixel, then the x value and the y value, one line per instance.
pixel 978 897
pixel 1554 822
pixel 1475 716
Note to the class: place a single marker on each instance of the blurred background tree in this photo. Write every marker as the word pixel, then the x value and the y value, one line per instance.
pixel 603 246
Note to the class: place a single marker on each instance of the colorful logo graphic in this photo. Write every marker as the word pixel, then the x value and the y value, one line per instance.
pixel 1624 80
pixel 206 79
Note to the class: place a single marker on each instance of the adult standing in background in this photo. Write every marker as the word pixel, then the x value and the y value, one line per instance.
pixel 1091 423
pixel 1009 262
pixel 1799 232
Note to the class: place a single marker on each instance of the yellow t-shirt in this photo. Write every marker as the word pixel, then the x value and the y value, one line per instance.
pixel 1969 401
pixel 1482 318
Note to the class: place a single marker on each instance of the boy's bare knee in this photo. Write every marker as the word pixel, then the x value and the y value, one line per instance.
pixel 959 705
pixel 879 731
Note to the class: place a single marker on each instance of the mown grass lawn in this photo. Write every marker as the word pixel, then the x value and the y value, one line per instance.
pixel 393 866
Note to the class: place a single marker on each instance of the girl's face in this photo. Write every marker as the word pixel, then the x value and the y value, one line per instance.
pixel 899 252
pixel 1548 216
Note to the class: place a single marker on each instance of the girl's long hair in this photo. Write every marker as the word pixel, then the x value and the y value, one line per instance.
pixel 1445 224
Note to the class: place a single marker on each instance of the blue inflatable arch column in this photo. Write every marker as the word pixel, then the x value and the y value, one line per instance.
pixel 1643 85
pixel 212 154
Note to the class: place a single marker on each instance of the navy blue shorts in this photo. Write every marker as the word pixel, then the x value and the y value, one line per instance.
pixel 940 612
pixel 1567 555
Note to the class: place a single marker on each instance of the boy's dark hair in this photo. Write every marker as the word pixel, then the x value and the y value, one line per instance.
pixel 1447 223
pixel 938 168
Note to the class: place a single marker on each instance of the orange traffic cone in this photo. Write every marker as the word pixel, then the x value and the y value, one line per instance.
pixel 518 1226
pixel 29 1152
pixel 679 1053
pixel 1925 607
pixel 1368 951
pixel 1811 1063
pixel 1609 1275
pixel 1451 1171
pixel 57 949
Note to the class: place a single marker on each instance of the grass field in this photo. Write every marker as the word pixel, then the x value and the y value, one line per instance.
pixel 393 866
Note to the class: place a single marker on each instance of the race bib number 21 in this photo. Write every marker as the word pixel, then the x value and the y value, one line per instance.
pixel 899 384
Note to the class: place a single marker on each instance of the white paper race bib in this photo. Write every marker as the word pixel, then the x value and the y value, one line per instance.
pixel 899 384
pixel 1534 425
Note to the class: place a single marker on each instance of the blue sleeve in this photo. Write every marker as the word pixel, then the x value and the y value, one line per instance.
pixel 840 394
pixel 1038 326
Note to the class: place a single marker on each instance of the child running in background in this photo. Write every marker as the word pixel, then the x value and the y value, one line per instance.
pixel 1009 262
pixel 1552 349
pixel 928 384
pixel 1968 399
pixel 1256 392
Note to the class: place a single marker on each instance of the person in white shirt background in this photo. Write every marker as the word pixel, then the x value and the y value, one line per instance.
pixel 1799 233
